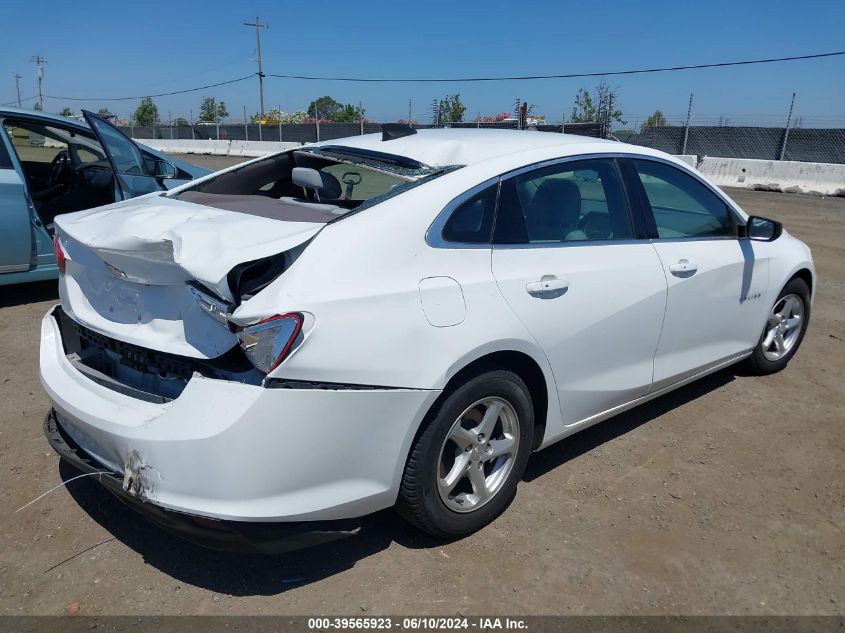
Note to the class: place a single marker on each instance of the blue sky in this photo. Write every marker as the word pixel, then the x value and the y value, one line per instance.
pixel 111 49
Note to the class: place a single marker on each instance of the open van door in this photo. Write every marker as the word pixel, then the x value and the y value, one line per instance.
pixel 135 174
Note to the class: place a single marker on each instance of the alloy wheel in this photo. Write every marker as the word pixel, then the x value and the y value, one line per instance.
pixel 478 454
pixel 783 327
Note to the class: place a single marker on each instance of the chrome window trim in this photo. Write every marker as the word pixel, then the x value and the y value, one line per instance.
pixel 570 244
pixel 434 235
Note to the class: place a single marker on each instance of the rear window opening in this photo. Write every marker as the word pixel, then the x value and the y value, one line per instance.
pixel 347 180
pixel 144 373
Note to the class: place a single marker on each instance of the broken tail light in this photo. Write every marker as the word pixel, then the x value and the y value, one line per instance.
pixel 61 258
pixel 268 342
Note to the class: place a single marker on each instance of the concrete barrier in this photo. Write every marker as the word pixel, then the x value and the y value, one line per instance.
pixel 689 159
pixel 217 148
pixel 259 148
pixel 774 175
pixel 771 175
pixel 168 146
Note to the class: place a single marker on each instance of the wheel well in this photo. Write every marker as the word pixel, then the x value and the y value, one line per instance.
pixel 806 276
pixel 523 366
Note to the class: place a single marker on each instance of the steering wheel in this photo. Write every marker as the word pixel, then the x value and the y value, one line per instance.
pixel 350 179
pixel 591 225
pixel 59 167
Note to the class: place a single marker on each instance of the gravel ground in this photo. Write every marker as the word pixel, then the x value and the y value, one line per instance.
pixel 726 497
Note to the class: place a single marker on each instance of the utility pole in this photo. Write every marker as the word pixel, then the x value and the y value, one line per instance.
pixel 257 24
pixel 39 63
pixel 18 78
pixel 786 131
pixel 409 111
pixel 686 127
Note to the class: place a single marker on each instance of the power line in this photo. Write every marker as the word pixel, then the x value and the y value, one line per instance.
pixel 18 103
pixel 563 76
pixel 161 94
pixel 465 79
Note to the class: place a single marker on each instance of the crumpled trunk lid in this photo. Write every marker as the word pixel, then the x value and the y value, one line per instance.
pixel 129 265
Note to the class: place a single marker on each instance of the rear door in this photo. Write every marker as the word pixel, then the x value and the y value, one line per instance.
pixel 568 260
pixel 15 220
pixel 716 281
pixel 135 175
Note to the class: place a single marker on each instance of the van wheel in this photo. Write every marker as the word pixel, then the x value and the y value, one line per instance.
pixel 784 330
pixel 465 465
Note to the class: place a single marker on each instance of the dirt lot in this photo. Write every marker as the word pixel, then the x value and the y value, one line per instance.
pixel 725 497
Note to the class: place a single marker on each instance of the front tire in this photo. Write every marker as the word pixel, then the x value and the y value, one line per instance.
pixel 784 330
pixel 465 465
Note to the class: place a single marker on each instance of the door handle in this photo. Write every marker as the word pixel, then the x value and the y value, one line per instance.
pixel 683 268
pixel 546 286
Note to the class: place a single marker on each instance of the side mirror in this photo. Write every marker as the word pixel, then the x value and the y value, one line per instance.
pixel 587 175
pixel 762 229
pixel 165 170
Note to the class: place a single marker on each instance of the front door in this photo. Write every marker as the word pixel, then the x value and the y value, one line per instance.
pixel 567 261
pixel 135 175
pixel 16 237
pixel 716 281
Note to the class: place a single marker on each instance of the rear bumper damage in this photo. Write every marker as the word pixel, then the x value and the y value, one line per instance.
pixel 235 536
pixel 237 452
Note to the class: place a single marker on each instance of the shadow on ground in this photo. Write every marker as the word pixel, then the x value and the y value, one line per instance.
pixel 256 574
pixel 19 294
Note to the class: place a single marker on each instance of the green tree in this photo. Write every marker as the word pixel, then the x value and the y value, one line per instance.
pixel 222 112
pixel 105 113
pixel 583 110
pixel 66 111
pixel 655 120
pixel 349 114
pixel 325 108
pixel 603 108
pixel 451 109
pixel 211 111
pixel 147 112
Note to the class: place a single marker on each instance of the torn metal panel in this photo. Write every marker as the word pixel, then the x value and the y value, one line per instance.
pixel 159 241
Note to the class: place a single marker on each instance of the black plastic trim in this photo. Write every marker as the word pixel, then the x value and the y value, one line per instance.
pixel 5 157
pixel 644 224
pixel 283 383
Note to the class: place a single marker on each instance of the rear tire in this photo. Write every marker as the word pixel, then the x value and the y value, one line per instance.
pixel 784 330
pixel 464 466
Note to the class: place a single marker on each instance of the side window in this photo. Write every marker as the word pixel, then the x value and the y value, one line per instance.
pixel 574 201
pixel 682 206
pixel 34 144
pixel 125 155
pixel 472 221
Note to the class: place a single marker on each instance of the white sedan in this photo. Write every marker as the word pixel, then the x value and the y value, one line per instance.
pixel 269 353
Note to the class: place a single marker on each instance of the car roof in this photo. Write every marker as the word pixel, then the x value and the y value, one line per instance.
pixel 42 116
pixel 466 146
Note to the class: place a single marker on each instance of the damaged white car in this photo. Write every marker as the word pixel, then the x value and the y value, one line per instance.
pixel 267 354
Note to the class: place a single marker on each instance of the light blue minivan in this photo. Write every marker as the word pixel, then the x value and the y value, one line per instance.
pixel 51 165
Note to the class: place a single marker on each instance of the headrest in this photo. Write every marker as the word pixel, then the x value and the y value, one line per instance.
pixel 324 184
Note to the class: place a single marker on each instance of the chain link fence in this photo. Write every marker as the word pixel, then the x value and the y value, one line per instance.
pixel 822 145
pixel 314 132
pixel 817 145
